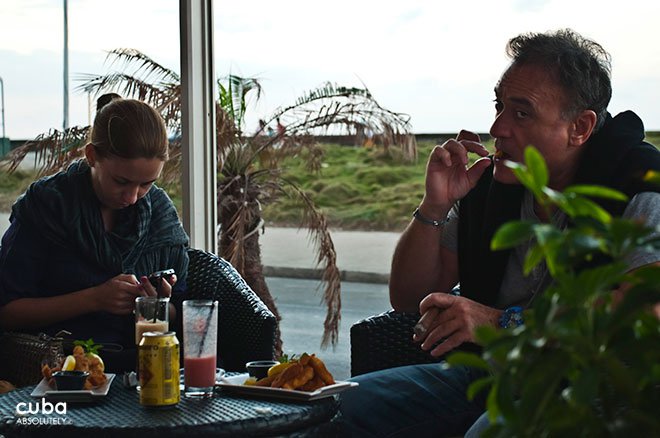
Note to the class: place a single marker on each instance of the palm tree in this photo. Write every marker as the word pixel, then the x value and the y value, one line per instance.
pixel 250 165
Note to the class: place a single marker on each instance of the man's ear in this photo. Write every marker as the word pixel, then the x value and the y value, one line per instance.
pixel 90 154
pixel 583 127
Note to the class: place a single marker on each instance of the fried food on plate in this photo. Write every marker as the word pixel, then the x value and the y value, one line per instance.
pixel 307 373
pixel 286 375
pixel 321 370
pixel 300 379
pixel 81 361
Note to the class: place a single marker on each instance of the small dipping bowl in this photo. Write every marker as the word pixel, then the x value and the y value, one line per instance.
pixel 259 368
pixel 70 380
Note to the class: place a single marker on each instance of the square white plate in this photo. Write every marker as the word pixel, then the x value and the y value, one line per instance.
pixel 43 389
pixel 234 384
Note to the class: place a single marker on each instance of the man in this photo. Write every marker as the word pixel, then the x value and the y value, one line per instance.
pixel 554 96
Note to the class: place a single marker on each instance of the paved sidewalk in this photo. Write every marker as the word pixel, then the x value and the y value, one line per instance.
pixel 362 256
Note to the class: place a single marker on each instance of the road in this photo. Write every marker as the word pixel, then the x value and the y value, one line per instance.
pixel 299 303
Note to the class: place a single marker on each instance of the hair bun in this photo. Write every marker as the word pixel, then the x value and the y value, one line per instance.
pixel 106 99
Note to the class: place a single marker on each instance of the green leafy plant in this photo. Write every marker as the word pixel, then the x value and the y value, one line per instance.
pixel 89 345
pixel 584 363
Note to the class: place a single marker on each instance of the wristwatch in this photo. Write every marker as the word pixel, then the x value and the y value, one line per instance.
pixel 511 317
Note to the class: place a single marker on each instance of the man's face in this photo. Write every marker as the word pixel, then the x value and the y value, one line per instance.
pixel 528 104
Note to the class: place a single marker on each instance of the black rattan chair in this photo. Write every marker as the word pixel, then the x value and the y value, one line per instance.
pixel 246 328
pixel 385 341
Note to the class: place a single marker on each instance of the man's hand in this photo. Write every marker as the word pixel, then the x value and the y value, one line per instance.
pixel 448 178
pixel 118 294
pixel 455 323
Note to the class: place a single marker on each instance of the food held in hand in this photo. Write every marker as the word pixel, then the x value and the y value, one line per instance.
pixel 307 373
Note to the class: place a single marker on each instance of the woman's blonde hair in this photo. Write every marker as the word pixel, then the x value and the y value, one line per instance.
pixel 128 128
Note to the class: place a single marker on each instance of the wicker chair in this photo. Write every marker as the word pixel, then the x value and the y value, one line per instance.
pixel 385 341
pixel 246 328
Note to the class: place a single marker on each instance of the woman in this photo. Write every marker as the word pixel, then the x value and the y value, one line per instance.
pixel 82 242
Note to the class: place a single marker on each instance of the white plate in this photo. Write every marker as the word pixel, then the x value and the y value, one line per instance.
pixel 43 389
pixel 235 385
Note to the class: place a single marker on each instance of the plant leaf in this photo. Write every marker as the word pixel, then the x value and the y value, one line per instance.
pixel 478 385
pixel 468 359
pixel 512 234
pixel 537 168
pixel 652 176
pixel 596 191
pixel 534 256
pixel 584 207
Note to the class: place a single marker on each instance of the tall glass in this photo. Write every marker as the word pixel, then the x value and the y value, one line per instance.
pixel 152 314
pixel 200 338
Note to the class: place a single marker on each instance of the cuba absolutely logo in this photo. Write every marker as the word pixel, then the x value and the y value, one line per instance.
pixel 48 413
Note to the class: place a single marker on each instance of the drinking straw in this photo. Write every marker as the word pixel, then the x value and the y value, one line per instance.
pixel 206 329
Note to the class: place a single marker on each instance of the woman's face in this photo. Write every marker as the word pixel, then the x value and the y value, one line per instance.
pixel 121 182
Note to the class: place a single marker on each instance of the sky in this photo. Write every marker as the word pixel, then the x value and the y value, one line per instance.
pixel 434 60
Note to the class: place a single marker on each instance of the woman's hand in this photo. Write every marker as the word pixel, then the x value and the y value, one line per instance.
pixel 118 294
pixel 165 286
pixel 455 323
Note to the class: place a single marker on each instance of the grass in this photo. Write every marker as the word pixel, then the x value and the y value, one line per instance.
pixel 357 188
pixel 12 185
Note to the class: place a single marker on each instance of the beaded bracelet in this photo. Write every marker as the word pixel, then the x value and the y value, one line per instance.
pixel 418 215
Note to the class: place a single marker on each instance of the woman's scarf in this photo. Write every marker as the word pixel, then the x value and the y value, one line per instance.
pixel 66 211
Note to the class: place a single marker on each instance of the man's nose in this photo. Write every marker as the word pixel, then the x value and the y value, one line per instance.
pixel 500 126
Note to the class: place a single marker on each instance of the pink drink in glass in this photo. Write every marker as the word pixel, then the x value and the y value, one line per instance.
pixel 199 371
pixel 200 335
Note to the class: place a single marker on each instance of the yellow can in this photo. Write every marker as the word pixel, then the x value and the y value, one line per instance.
pixel 158 355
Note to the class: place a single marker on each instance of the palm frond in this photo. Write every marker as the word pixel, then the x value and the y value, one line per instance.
pixel 53 151
pixel 351 110
pixel 142 78
pixel 143 65
pixel 315 221
pixel 234 96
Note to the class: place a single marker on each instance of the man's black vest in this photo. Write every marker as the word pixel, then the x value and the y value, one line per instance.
pixel 616 157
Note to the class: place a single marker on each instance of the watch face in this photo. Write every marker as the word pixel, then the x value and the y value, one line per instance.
pixel 511 317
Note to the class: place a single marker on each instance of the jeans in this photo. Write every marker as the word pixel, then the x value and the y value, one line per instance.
pixel 415 400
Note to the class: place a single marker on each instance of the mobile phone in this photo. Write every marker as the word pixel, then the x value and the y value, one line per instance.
pixel 155 277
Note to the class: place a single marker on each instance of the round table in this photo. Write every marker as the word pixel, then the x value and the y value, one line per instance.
pixel 119 414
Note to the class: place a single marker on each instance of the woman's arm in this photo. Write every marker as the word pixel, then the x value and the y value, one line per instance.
pixel 116 296
pixel 30 313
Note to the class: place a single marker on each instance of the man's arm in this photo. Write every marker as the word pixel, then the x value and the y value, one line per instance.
pixel 420 264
